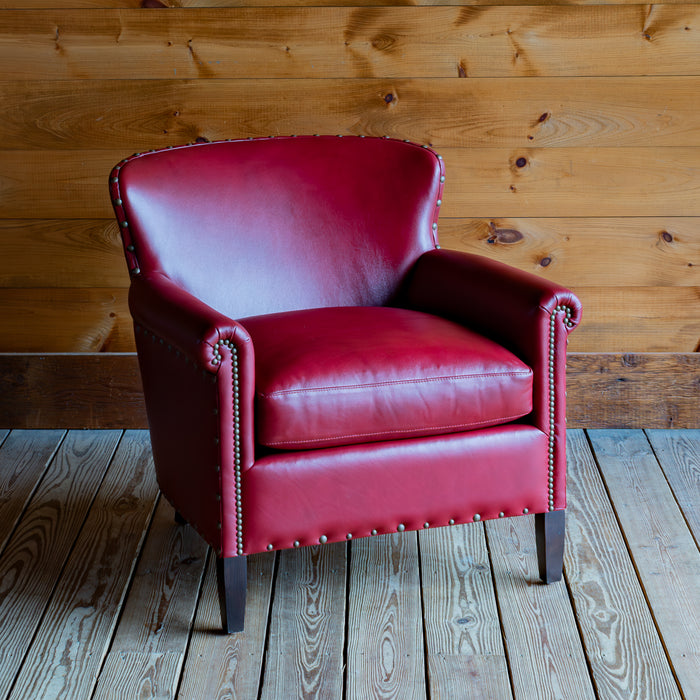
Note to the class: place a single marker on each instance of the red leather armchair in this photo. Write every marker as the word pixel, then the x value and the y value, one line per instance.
pixel 317 369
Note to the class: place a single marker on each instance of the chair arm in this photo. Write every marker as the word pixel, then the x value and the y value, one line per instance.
pixel 183 321
pixel 499 301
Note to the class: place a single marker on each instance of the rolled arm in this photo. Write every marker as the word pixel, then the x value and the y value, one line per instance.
pixel 531 316
pixel 182 320
pixel 502 302
pixel 198 372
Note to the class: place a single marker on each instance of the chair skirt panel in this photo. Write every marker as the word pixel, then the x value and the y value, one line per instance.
pixel 338 376
pixel 303 498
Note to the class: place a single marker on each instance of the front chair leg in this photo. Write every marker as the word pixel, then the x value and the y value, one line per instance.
pixel 231 578
pixel 549 533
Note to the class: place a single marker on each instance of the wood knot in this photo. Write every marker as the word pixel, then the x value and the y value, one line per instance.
pixel 666 236
pixel 505 236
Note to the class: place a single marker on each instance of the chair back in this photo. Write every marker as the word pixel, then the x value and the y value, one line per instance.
pixel 277 224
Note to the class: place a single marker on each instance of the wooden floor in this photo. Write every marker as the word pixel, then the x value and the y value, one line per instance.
pixel 103 596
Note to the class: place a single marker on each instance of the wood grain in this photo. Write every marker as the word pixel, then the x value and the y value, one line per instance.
pixel 220 667
pixel 385 656
pixel 633 390
pixel 305 644
pixel 509 112
pixel 586 252
pixel 84 608
pixel 84 390
pixel 665 554
pixel 228 666
pixel 24 457
pixel 638 320
pixel 678 454
pixel 59 319
pixel 537 619
pixel 622 644
pixel 463 644
pixel 34 558
pixel 481 182
pixel 61 253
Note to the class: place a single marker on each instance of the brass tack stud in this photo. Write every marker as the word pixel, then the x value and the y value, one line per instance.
pixel 477 517
pixel 323 539
pixel 401 527
pixel 501 515
pixel 348 536
pixel 296 543
pixel 269 547
pixel 374 532
pixel 525 511
pixel 451 521
pixel 426 525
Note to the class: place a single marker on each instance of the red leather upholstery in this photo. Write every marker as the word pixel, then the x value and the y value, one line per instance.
pixel 314 366
pixel 339 376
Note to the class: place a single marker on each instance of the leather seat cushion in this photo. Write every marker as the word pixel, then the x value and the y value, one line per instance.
pixel 340 376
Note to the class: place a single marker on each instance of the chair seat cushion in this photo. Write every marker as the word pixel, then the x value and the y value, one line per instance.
pixel 340 376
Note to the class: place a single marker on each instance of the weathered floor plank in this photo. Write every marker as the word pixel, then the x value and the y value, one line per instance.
pixel 103 596
pixel 24 457
pixel 661 545
pixel 622 644
pixel 464 648
pixel 544 649
pixel 153 631
pixel 678 453
pixel 305 651
pixel 225 667
pixel 37 551
pixel 68 650
pixel 385 637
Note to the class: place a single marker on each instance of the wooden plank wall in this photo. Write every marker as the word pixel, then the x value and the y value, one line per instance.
pixel 570 133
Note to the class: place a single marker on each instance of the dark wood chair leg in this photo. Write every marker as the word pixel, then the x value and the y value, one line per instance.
pixel 232 579
pixel 549 532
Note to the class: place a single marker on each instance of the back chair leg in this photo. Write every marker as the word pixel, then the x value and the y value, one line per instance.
pixel 231 578
pixel 549 533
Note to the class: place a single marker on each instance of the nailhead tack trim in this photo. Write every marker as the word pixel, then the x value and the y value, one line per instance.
pixel 552 407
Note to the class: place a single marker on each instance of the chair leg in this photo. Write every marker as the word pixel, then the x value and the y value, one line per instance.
pixel 231 578
pixel 549 533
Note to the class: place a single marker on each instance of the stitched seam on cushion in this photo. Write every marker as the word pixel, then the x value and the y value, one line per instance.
pixel 345 387
pixel 386 432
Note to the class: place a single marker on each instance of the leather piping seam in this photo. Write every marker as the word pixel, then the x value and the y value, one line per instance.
pixel 491 421
pixel 397 382
pixel 552 402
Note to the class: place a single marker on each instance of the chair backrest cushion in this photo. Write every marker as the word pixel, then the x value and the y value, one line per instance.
pixel 268 225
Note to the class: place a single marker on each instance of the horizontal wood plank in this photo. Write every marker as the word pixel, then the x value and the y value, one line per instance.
pixel 65 320
pixel 61 253
pixel 103 390
pixel 633 390
pixel 508 112
pixel 481 182
pixel 575 251
pixel 83 390
pixel 587 252
pixel 350 42
pixel 638 319
pixel 664 551
pixel 617 319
